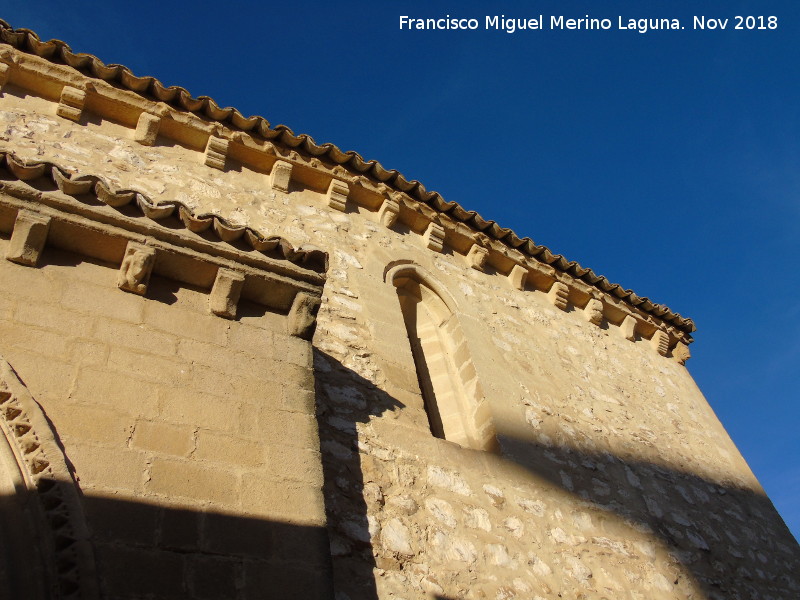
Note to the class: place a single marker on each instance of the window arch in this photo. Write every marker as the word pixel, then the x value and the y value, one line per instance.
pixel 454 402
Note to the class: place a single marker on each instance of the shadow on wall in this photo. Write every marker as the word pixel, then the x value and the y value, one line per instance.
pixel 724 542
pixel 141 549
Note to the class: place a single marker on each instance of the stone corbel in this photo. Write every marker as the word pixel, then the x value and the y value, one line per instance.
pixel 434 237
pixel 681 353
pixel 518 277
pixel 136 268
pixel 389 211
pixel 303 315
pixel 477 257
pixel 660 342
pixel 558 295
pixel 5 73
pixel 28 238
pixel 147 130
pixel 71 103
pixel 225 294
pixel 281 175
pixel 216 151
pixel 337 195
pixel 593 311
pixel 628 328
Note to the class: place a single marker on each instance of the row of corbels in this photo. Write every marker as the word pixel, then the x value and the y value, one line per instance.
pixel 477 257
pixel 29 238
pixel 72 101
pixel 125 103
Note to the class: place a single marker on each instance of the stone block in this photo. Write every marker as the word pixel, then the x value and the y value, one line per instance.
pixel 146 130
pixel 628 328
pixel 518 277
pixel 108 302
pixel 130 395
pixel 186 324
pixel 28 238
pixel 228 449
pixel 198 409
pixel 193 481
pixel 100 467
pixel 213 578
pixel 137 337
pixel 163 438
pixel 660 342
pixel 141 572
pixel 225 294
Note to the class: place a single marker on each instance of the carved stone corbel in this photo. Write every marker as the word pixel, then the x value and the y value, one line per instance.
pixel 477 257
pixel 216 152
pixel 147 130
pixel 136 268
pixel 559 295
pixel 434 237
pixel 660 341
pixel 5 73
pixel 518 277
pixel 28 238
pixel 681 353
pixel 628 328
pixel 594 311
pixel 281 175
pixel 303 315
pixel 225 294
pixel 70 105
pixel 389 212
pixel 337 195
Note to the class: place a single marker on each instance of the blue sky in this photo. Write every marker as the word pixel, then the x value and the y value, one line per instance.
pixel 667 161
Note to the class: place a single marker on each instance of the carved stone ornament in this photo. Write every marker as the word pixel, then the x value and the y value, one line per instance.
pixel 389 212
pixel 281 175
pixel 477 257
pixel 337 194
pixel 71 103
pixel 216 152
pixel 303 315
pixel 28 238
pixel 5 72
pixel 660 341
pixel 681 353
pixel 137 265
pixel 594 311
pixel 559 294
pixel 434 237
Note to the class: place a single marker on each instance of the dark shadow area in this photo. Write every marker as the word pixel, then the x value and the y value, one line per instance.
pixel 344 399
pixel 730 540
pixel 142 550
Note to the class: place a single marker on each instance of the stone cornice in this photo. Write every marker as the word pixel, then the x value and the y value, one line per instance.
pixel 80 82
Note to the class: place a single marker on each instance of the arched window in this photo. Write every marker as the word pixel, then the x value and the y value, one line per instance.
pixel 454 402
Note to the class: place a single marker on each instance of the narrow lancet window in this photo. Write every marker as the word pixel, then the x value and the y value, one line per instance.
pixel 447 378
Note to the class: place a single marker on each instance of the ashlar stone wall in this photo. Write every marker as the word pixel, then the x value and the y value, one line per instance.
pixel 590 465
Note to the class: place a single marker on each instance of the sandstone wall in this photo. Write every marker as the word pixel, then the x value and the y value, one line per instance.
pixel 192 437
pixel 612 478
